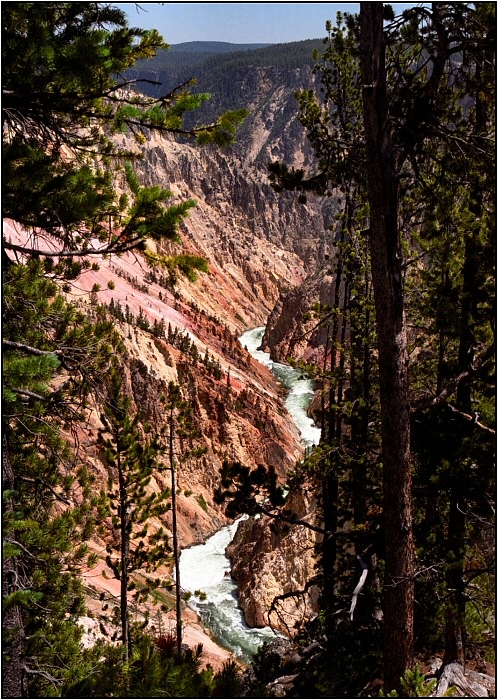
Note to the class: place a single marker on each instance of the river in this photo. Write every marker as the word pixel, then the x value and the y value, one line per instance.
pixel 205 567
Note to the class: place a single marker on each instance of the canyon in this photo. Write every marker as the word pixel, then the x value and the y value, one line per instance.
pixel 248 377
pixel 262 249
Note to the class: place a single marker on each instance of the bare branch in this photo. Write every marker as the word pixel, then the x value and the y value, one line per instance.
pixel 123 247
pixel 29 394
pixel 24 549
pixel 315 580
pixel 29 349
pixel 56 682
pixel 359 586
pixel 471 419
pixel 295 521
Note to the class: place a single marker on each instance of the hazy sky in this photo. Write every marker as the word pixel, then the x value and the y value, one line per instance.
pixel 237 22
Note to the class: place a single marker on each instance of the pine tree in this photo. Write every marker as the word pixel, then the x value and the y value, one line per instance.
pixel 51 356
pixel 427 111
pixel 180 432
pixel 62 94
pixel 134 459
pixel 65 98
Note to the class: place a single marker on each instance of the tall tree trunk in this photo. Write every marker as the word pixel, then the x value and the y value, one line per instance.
pixel 125 556
pixel 176 546
pixel 12 622
pixel 392 347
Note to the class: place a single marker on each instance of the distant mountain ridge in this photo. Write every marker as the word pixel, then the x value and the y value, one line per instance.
pixel 218 66
pixel 263 81
pixel 213 47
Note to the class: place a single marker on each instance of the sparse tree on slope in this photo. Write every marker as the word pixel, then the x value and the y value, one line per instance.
pixel 180 432
pixel 134 459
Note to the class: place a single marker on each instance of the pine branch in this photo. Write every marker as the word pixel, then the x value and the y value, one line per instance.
pixel 50 488
pixel 29 349
pixel 123 247
pixel 28 394
pixel 38 397
pixel 56 682
pixel 24 549
pixel 452 386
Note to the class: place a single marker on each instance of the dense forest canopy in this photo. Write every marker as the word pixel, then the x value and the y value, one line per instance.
pixel 211 68
pixel 402 124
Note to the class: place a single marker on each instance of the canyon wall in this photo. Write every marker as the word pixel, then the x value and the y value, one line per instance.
pixel 260 247
pixel 273 564
pixel 269 263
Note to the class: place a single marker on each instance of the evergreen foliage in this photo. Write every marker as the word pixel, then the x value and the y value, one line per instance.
pixel 67 91
pixel 45 338
pixel 154 670
pixel 439 88
pixel 64 99
pixel 59 120
pixel 132 503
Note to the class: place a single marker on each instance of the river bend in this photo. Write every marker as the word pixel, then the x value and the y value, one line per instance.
pixel 205 568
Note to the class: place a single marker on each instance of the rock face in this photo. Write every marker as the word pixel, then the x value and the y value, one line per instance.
pixel 270 559
pixel 267 253
pixel 293 329
pixel 259 245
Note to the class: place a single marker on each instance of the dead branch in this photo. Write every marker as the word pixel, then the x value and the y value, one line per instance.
pixel 26 348
pixel 453 675
pixel 315 580
pixel 295 521
pixel 359 586
pixel 471 419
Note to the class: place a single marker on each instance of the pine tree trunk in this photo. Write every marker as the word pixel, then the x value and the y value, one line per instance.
pixel 12 622
pixel 125 556
pixel 392 348
pixel 176 547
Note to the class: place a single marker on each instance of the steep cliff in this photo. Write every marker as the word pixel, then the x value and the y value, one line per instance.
pixel 267 253
pixel 294 328
pixel 273 564
pixel 258 246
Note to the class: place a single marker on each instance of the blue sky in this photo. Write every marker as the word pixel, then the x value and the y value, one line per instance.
pixel 237 22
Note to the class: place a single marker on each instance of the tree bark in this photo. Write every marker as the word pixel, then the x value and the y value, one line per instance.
pixel 12 623
pixel 386 259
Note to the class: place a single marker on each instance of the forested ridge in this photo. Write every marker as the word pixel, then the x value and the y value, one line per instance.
pixel 400 119
pixel 208 64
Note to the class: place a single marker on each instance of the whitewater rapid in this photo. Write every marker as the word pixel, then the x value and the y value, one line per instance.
pixel 300 389
pixel 205 569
